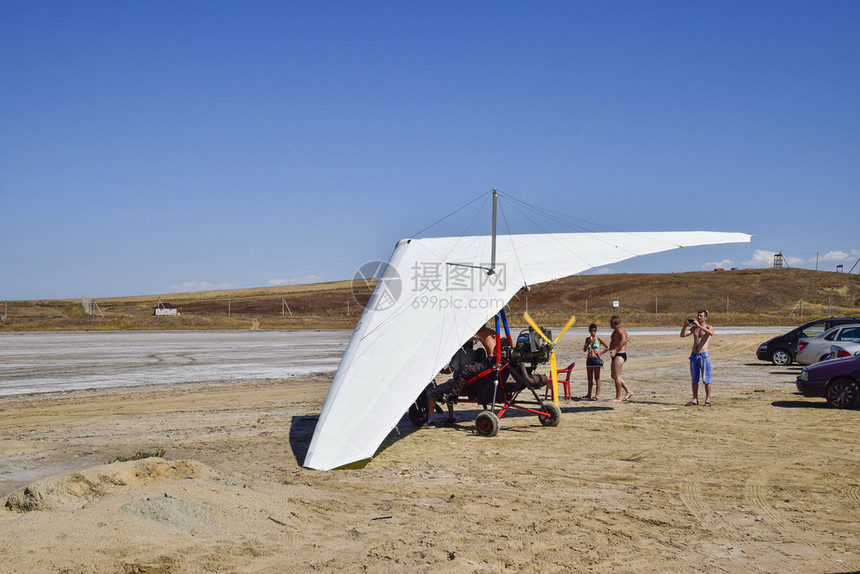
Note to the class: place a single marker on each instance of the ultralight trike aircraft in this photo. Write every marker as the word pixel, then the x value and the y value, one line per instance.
pixel 507 382
pixel 406 335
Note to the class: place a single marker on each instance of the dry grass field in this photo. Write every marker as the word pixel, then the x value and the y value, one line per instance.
pixel 744 297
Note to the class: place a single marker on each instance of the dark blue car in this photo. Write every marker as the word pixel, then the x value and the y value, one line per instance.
pixel 837 380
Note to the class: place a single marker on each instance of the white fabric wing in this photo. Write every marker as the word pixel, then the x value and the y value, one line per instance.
pixel 434 295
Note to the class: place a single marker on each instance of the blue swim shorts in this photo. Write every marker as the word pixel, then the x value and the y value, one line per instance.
pixel 700 367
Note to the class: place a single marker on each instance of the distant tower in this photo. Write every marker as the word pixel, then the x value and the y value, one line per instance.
pixel 778 260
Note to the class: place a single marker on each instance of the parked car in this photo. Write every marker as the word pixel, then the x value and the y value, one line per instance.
pixel 814 349
pixel 844 349
pixel 837 380
pixel 782 350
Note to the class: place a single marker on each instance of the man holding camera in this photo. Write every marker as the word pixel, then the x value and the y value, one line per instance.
pixel 700 359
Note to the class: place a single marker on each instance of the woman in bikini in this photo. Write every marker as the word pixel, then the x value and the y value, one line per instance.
pixel 593 362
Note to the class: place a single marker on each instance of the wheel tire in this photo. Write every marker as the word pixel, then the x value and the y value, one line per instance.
pixel 418 413
pixel 554 417
pixel 843 393
pixel 487 423
pixel 780 358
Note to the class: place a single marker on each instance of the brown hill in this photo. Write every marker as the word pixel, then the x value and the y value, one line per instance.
pixel 744 297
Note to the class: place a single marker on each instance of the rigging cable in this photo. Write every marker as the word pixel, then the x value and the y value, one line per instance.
pixel 551 215
pixel 450 214
pixel 513 248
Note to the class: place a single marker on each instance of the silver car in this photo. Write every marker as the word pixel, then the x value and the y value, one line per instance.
pixel 813 349
pixel 844 349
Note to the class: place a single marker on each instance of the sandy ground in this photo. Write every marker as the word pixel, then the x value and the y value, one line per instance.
pixel 763 481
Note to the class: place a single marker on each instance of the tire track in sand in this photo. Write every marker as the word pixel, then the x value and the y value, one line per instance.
pixel 691 496
pixel 757 493
pixel 853 492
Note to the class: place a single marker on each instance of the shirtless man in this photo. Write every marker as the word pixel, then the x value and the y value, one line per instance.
pixel 487 337
pixel 700 360
pixel 618 356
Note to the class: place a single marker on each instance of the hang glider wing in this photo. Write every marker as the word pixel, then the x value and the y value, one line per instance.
pixel 434 295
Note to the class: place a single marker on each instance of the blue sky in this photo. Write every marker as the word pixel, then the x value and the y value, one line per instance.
pixel 156 147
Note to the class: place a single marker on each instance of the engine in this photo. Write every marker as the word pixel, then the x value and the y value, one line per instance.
pixel 530 348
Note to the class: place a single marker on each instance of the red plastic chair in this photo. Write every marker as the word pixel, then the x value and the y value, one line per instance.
pixel 565 382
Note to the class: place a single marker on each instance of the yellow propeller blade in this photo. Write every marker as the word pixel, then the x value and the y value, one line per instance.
pixel 534 326
pixel 570 323
pixel 553 364
pixel 554 371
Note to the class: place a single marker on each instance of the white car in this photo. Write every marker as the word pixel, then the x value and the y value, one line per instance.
pixel 844 349
pixel 813 349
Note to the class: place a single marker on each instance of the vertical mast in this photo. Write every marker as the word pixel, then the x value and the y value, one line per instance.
pixel 493 257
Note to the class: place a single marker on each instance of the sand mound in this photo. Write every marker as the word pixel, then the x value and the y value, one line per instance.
pixel 169 510
pixel 75 490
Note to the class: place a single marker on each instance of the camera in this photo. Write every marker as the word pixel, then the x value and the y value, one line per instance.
pixel 691 320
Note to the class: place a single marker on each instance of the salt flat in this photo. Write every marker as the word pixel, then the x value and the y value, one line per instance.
pixel 65 361
pixel 69 361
